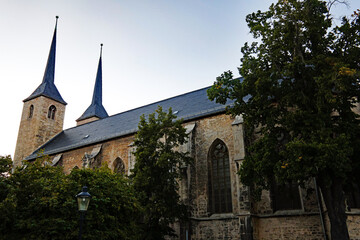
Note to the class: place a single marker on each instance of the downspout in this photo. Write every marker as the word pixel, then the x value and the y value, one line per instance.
pixel 320 209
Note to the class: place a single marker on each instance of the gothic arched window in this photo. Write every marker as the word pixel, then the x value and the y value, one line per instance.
pixel 219 178
pixel 119 166
pixel 31 111
pixel 51 112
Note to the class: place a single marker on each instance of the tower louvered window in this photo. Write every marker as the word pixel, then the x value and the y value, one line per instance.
pixel 51 112
pixel 219 178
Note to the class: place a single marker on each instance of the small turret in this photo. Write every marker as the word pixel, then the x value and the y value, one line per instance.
pixel 96 110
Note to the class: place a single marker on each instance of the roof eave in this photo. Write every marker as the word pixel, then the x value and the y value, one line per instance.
pixel 193 117
pixel 44 95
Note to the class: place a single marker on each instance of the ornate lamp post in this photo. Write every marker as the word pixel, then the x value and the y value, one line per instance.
pixel 83 199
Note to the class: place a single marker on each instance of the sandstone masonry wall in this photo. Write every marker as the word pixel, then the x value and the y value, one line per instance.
pixel 110 150
pixel 353 222
pixel 38 129
pixel 288 228
pixel 91 119
pixel 298 224
pixel 216 229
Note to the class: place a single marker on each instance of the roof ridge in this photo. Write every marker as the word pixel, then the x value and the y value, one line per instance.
pixel 166 99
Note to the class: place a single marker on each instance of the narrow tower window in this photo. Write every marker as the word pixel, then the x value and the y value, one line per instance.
pixel 31 111
pixel 219 178
pixel 51 112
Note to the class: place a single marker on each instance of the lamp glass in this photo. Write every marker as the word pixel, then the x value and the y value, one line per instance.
pixel 83 203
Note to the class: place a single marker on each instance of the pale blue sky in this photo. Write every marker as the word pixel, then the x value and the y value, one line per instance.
pixel 153 49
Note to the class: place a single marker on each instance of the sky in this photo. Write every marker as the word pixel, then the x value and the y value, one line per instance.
pixel 153 50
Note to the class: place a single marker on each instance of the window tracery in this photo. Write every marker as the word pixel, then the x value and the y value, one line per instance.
pixel 220 200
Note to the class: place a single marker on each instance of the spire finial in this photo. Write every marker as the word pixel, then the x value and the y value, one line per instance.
pixel 57 17
pixel 101 45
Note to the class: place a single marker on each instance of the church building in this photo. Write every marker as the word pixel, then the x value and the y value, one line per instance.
pixel 221 204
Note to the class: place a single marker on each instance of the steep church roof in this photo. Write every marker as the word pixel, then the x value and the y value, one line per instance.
pixel 96 109
pixel 188 106
pixel 47 88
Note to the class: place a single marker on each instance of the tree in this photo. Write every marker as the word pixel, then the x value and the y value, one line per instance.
pixel 38 202
pixel 31 207
pixel 114 209
pixel 297 97
pixel 5 170
pixel 156 172
pixel 5 165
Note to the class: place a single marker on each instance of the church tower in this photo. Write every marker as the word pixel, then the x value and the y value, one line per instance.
pixel 43 112
pixel 96 110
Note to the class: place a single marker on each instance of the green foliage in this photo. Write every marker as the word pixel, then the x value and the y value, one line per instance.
pixel 301 82
pixel 5 170
pixel 156 172
pixel 114 210
pixel 38 202
pixel 300 87
pixel 5 165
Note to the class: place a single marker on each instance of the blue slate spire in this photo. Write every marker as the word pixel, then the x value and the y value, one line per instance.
pixel 47 88
pixel 96 109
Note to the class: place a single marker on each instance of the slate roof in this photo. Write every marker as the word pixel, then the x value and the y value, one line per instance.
pixel 47 88
pixel 187 106
pixel 96 109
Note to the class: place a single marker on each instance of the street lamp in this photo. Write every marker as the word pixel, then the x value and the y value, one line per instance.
pixel 83 199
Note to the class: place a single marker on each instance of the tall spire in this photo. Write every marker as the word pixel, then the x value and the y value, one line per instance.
pixel 97 95
pixel 96 109
pixel 47 87
pixel 50 66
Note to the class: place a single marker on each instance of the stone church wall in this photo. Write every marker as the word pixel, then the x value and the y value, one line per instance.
pixel 248 220
pixel 92 119
pixel 287 227
pixel 353 222
pixel 204 224
pixel 110 150
pixel 37 129
pixel 206 132
pixel 227 228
